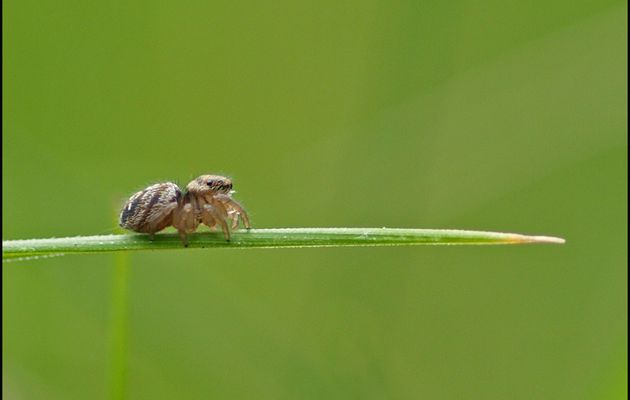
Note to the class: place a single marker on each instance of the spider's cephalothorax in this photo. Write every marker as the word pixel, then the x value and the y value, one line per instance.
pixel 207 200
pixel 208 184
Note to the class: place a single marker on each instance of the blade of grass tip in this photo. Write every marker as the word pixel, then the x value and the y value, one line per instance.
pixel 118 326
pixel 538 239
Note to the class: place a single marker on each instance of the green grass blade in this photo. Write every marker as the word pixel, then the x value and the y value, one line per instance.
pixel 265 238
pixel 118 324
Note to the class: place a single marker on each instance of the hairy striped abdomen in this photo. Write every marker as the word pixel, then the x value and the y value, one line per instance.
pixel 151 209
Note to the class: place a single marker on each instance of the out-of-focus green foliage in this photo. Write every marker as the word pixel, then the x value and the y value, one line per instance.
pixel 489 116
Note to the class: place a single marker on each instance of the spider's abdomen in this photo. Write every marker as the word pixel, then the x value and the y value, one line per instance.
pixel 151 209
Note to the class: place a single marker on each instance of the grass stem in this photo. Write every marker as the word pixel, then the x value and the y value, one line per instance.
pixel 265 238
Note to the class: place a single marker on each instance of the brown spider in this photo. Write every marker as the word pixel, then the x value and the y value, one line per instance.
pixel 207 200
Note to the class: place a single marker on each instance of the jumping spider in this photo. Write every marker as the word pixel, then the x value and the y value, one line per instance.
pixel 207 200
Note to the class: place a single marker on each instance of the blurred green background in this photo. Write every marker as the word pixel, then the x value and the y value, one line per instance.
pixel 507 116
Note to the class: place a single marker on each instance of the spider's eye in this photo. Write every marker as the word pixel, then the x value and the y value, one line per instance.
pixel 210 183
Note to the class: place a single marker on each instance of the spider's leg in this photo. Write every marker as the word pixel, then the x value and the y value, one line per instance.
pixel 185 221
pixel 217 213
pixel 233 204
pixel 184 238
